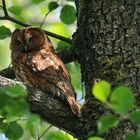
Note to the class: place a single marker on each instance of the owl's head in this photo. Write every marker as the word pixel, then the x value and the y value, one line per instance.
pixel 28 39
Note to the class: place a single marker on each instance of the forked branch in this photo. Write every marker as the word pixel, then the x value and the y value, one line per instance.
pixel 8 17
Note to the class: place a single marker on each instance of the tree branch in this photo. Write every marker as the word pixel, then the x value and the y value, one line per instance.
pixel 8 17
pixel 4 8
pixel 14 20
pixel 39 138
pixel 52 109
pixel 58 113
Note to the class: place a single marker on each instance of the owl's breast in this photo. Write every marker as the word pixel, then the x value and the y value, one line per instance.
pixel 23 74
pixel 21 70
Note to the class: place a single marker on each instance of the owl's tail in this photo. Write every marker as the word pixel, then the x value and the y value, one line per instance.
pixel 75 106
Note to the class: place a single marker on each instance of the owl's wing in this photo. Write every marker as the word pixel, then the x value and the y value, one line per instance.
pixel 51 68
pixel 57 80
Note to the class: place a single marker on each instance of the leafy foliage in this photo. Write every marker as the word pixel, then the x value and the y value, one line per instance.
pixel 61 45
pixel 101 90
pixel 106 122
pixel 132 137
pixel 68 14
pixel 14 91
pixel 13 130
pixel 57 136
pixel 16 10
pixel 4 32
pixel 121 100
pixel 37 1
pixel 135 118
pixel 52 6
pixel 3 125
pixel 8 106
pixel 95 138
pixel 11 109
pixel 32 125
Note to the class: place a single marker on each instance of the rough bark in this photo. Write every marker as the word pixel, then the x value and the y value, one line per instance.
pixel 106 45
pixel 108 36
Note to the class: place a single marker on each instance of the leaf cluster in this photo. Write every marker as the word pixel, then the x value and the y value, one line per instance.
pixel 121 101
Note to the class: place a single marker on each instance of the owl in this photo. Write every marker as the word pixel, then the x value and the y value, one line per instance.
pixel 37 65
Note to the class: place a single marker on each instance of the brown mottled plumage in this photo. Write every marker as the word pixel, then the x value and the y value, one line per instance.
pixel 36 64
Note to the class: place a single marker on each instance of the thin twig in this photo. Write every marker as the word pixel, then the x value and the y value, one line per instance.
pixel 68 40
pixel 7 17
pixel 4 8
pixel 44 19
pixel 18 22
pixel 44 132
pixel 2 18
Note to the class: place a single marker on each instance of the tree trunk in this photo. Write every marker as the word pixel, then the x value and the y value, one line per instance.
pixel 107 44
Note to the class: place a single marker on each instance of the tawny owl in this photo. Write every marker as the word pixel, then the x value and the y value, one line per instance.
pixel 36 64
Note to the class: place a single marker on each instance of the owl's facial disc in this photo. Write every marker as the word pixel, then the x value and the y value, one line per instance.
pixel 27 39
pixel 33 39
pixel 29 42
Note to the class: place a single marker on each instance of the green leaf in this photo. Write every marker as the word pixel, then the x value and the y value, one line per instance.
pixel 37 1
pixel 3 126
pixel 106 122
pixel 135 118
pixel 16 10
pixel 32 125
pixel 101 90
pixel 57 136
pixel 21 18
pixel 9 103
pixel 3 100
pixel 14 131
pixel 61 45
pixel 132 137
pixel 122 100
pixel 95 138
pixel 14 107
pixel 4 32
pixel 68 14
pixel 14 91
pixel 52 6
